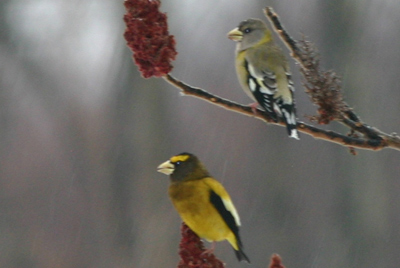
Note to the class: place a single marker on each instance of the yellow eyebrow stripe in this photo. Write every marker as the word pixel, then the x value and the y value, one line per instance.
pixel 177 158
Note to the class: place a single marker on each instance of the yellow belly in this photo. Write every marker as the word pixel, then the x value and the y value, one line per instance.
pixel 192 201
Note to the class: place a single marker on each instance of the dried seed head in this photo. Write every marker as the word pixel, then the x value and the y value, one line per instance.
pixel 148 37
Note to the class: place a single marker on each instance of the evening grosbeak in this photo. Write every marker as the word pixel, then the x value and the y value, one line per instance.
pixel 202 202
pixel 263 72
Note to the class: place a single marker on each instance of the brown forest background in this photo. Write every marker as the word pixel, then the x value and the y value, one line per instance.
pixel 82 134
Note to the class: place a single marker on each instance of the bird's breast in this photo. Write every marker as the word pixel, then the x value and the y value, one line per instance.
pixel 192 201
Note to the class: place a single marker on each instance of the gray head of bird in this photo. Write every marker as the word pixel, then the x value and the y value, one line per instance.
pixel 183 167
pixel 250 33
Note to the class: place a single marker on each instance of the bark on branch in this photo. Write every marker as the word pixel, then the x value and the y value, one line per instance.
pixel 331 136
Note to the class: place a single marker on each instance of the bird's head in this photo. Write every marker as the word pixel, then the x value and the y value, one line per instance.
pixel 183 167
pixel 250 33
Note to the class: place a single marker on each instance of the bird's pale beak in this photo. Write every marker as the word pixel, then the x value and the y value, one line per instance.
pixel 167 168
pixel 235 35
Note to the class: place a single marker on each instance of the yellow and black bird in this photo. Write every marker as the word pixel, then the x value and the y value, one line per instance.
pixel 263 72
pixel 202 202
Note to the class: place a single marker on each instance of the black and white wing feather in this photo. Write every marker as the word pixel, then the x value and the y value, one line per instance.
pixel 264 88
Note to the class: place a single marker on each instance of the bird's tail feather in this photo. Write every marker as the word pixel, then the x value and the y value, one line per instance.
pixel 289 116
pixel 241 256
pixel 292 131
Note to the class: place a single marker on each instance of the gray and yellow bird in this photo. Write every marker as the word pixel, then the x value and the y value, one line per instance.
pixel 202 202
pixel 263 72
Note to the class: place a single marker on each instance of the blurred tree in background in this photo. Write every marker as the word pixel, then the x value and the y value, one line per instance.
pixel 82 134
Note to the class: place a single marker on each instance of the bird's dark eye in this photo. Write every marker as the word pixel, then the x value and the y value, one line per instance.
pixel 247 30
pixel 178 163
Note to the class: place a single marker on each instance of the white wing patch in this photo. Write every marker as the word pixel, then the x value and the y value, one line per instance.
pixel 231 208
pixel 252 71
pixel 252 85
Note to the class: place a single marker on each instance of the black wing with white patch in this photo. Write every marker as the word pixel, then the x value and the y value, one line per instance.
pixel 263 89
pixel 225 214
pixel 229 219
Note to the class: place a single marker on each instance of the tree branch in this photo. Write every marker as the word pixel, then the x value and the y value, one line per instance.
pixel 327 135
